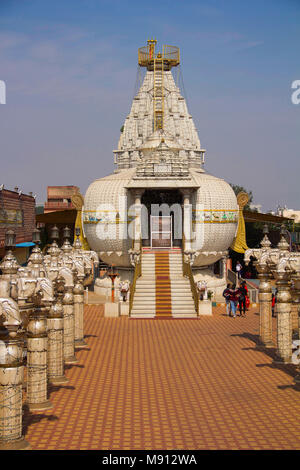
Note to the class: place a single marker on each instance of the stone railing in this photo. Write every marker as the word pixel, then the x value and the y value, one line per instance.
pixel 187 271
pixel 136 261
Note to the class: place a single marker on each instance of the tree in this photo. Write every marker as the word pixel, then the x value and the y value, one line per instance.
pixel 39 209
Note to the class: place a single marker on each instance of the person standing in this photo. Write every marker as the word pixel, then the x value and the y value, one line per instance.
pixel 238 269
pixel 243 291
pixel 233 298
pixel 226 294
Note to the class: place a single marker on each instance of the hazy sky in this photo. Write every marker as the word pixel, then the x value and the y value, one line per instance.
pixel 70 70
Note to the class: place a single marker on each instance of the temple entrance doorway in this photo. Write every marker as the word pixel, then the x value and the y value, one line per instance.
pixel 164 213
pixel 161 231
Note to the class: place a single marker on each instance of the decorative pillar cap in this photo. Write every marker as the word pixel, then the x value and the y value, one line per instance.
pixel 265 243
pixel 54 235
pixel 36 236
pixel 283 244
pixel 10 240
pixel 66 232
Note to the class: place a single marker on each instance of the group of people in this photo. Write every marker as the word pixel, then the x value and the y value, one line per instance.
pixel 236 297
pixel 246 272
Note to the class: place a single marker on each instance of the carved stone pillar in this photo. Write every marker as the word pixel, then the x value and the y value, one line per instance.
pixel 223 262
pixel 37 358
pixel 297 285
pixel 187 219
pixel 55 325
pixel 284 328
pixel 25 286
pixel 79 312
pixel 69 326
pixel 137 225
pixel 265 305
pixel 11 381
pixel 296 279
pixel 294 307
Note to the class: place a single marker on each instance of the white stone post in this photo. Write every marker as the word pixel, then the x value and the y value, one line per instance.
pixel 296 279
pixel 265 305
pixel 11 376
pixel 78 292
pixel 187 219
pixel 37 357
pixel 284 327
pixel 55 325
pixel 69 326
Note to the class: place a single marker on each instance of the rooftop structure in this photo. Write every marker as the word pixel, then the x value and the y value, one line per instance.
pixel 290 213
pixel 17 212
pixel 59 198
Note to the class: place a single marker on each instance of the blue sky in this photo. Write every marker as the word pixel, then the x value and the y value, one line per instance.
pixel 70 70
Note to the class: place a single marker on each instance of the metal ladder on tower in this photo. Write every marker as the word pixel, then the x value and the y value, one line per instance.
pixel 158 92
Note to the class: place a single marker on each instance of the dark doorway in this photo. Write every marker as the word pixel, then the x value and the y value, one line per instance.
pixel 163 203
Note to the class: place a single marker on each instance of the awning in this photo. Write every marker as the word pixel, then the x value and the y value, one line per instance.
pixel 58 217
pixel 251 216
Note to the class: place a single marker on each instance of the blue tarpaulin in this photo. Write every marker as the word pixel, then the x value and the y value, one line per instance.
pixel 26 244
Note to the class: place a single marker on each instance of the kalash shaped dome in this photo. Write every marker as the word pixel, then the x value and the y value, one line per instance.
pixel 159 149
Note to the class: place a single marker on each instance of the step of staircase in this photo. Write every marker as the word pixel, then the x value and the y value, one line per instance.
pixel 162 289
pixel 147 306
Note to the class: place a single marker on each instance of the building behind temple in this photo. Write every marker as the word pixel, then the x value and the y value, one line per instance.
pixel 59 198
pixel 17 213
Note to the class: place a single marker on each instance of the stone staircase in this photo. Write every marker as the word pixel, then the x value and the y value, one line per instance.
pixel 162 290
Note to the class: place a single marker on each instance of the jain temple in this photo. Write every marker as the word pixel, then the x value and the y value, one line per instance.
pixel 160 218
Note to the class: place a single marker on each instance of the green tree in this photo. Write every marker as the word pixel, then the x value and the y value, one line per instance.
pixel 39 209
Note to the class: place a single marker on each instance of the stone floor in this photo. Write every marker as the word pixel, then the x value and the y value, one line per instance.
pixel 171 384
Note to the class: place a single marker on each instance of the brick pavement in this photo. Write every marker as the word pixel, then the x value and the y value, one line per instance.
pixel 170 384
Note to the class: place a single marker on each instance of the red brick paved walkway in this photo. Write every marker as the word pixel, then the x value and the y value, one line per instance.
pixel 170 384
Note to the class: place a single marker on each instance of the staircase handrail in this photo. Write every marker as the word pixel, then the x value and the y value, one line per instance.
pixel 232 277
pixel 187 271
pixel 252 289
pixel 137 274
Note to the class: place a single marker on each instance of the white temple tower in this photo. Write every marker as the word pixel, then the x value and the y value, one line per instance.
pixel 160 197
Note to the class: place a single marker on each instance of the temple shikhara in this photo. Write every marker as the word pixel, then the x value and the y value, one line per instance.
pixel 160 218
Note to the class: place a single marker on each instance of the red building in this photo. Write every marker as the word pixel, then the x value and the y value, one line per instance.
pixel 17 213
pixel 59 198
